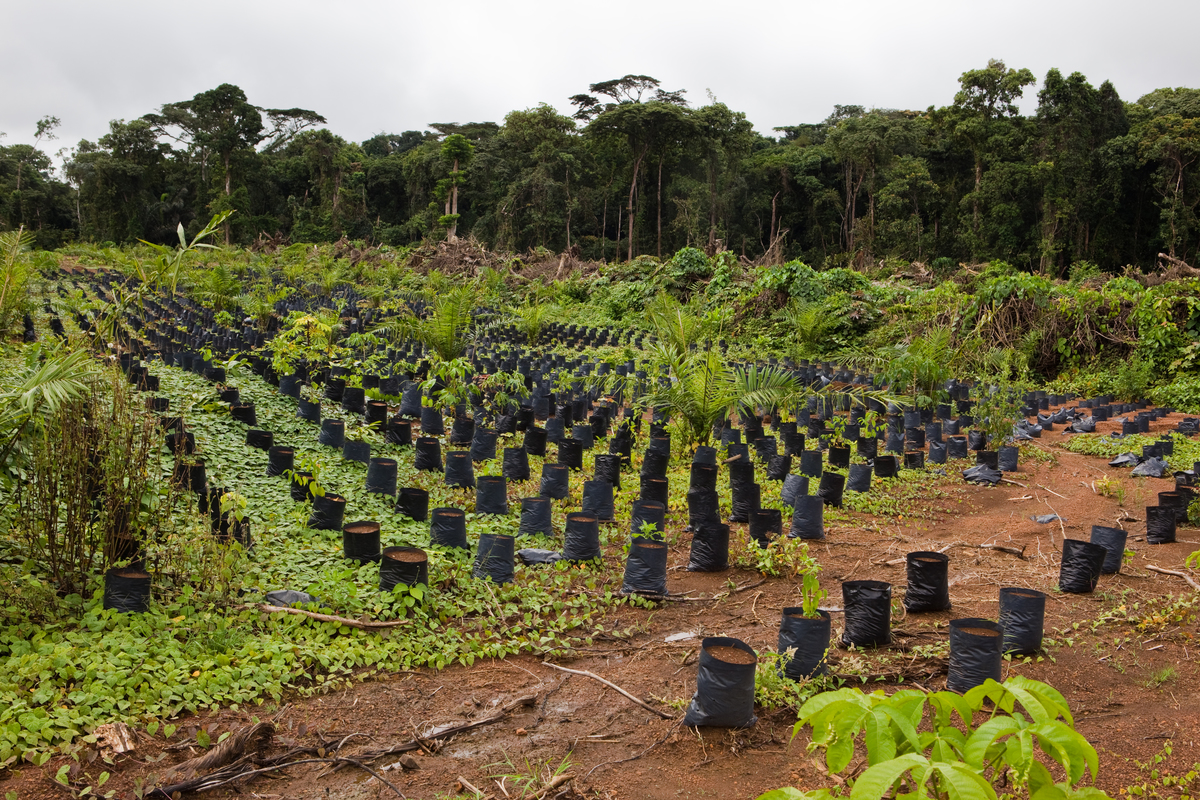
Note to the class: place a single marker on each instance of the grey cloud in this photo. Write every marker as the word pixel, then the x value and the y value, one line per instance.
pixel 371 66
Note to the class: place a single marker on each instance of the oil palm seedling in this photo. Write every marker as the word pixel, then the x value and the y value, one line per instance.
pixel 702 390
pixel 166 270
pixel 39 389
pixel 446 326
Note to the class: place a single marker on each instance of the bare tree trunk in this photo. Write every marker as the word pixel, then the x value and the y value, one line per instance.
pixel 632 188
pixel 847 224
pixel 604 230
pixel 617 255
pixel 975 198
pixel 917 216
pixel 712 209
pixel 567 185
pixel 871 213
pixel 659 246
pixel 228 193
pixel 454 203
pixel 773 199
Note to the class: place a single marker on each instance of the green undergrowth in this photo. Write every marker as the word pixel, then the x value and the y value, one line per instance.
pixel 204 644
pixel 1186 452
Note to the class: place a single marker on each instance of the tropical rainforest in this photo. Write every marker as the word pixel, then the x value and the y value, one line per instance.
pixel 636 169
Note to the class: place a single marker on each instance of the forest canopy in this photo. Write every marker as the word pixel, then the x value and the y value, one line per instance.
pixel 639 169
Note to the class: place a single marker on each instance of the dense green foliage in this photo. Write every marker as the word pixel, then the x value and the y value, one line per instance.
pixel 927 744
pixel 1087 181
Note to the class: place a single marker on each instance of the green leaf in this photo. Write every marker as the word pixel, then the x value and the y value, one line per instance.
pixel 878 779
pixel 904 724
pixel 1049 697
pixel 1038 777
pixel 881 746
pixel 963 783
pixel 947 703
pixel 1068 747
pixel 983 736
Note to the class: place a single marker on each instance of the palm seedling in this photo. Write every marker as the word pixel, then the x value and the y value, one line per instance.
pixel 446 327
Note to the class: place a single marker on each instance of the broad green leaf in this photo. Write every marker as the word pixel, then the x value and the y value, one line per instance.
pixel 881 745
pixel 1061 791
pixel 878 779
pixel 963 783
pixel 1074 752
pixel 979 741
pixel 947 703
pixel 1039 777
pixel 1030 702
pixel 789 793
pixel 904 725
pixel 988 690
pixel 1049 697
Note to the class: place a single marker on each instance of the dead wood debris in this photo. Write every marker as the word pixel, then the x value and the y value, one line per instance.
pixel 241 756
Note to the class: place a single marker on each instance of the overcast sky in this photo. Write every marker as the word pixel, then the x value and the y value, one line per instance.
pixel 371 66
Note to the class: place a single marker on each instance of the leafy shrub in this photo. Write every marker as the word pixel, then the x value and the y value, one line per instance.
pixel 1019 285
pixel 845 280
pixel 686 267
pixel 931 738
pixel 1133 379
pixel 1182 394
pixel 943 266
pixel 619 300
pixel 796 278
pixel 723 265
pixel 1082 271
pixel 1122 285
pixel 574 289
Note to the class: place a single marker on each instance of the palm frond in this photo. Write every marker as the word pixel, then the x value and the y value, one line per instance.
pixel 42 389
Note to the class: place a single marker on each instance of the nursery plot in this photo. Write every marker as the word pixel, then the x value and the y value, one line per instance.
pixel 386 555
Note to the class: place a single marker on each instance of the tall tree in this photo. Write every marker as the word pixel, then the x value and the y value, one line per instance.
pixel 456 153
pixel 222 124
pixel 865 144
pixel 986 98
pixel 726 138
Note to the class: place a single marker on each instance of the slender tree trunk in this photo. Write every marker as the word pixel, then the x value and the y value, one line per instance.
pixel 771 239
pixel 632 188
pixel 975 197
pixel 659 246
pixel 604 230
pixel 454 202
pixel 617 255
pixel 847 223
pixel 917 217
pixel 871 213
pixel 567 185
pixel 228 193
pixel 712 206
